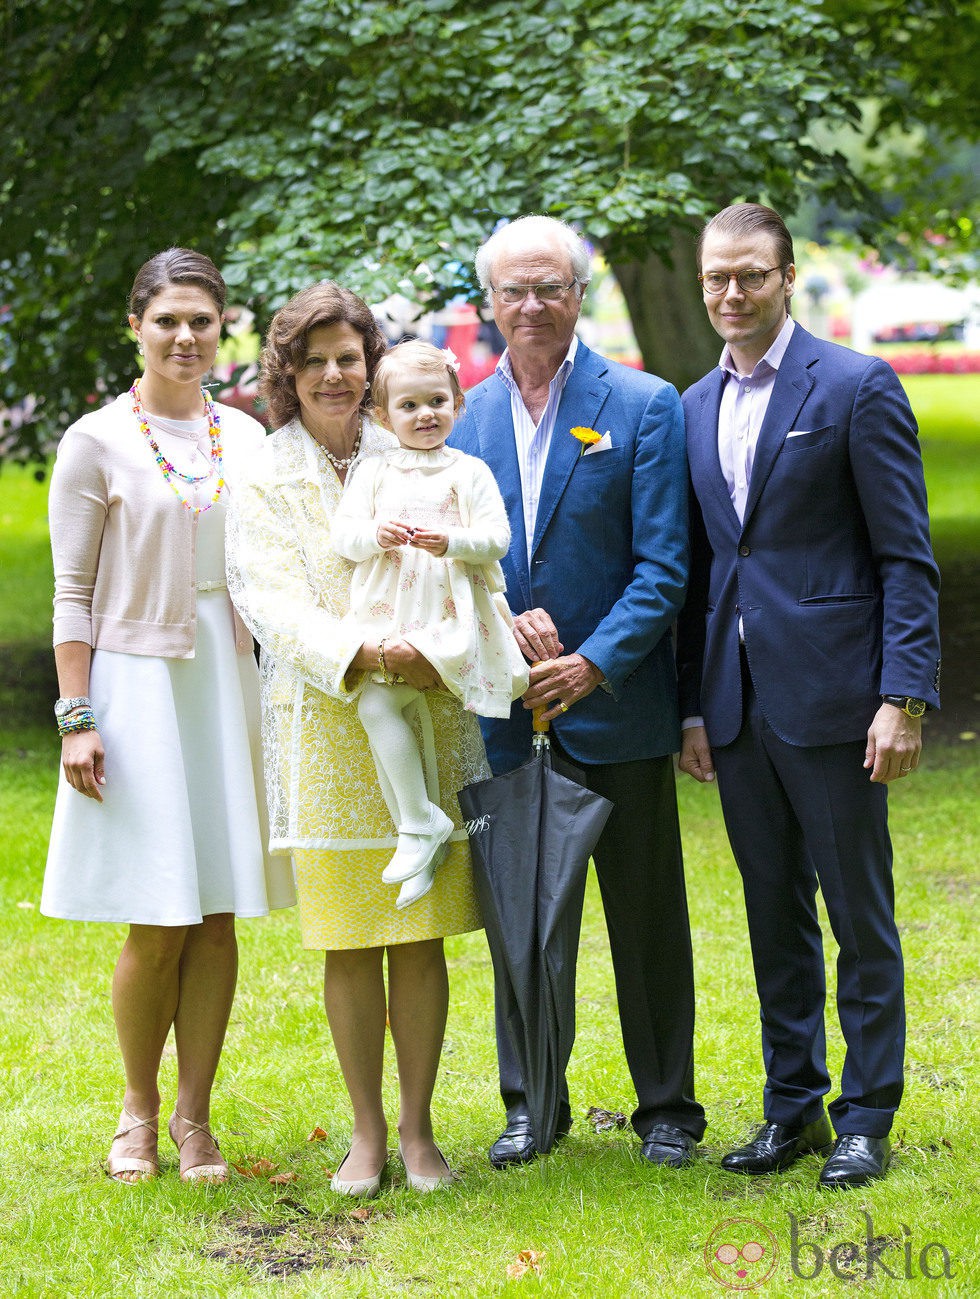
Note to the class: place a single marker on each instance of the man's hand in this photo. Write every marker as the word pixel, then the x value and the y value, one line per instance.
pixel 695 756
pixel 894 744
pixel 537 635
pixel 558 683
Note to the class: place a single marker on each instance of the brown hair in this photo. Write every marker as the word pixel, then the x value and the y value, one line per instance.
pixel 287 342
pixel 176 266
pixel 749 219
pixel 414 354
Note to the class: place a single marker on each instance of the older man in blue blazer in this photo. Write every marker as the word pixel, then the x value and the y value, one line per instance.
pixel 596 574
pixel 809 650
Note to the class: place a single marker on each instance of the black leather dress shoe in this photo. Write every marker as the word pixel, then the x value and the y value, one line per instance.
pixel 515 1145
pixel 776 1146
pixel 856 1160
pixel 664 1144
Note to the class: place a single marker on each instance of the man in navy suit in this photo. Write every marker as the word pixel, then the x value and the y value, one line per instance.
pixel 809 650
pixel 596 574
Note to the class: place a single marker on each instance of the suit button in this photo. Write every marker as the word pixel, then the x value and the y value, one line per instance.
pixel 745 550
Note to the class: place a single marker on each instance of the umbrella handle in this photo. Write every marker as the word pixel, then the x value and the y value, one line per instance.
pixel 540 727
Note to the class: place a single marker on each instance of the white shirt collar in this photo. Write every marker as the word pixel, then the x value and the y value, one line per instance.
pixel 506 372
pixel 771 359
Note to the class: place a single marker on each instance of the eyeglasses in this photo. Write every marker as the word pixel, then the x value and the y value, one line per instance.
pixel 750 281
pixel 543 292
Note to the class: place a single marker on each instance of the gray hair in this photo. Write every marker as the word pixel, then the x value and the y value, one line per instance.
pixel 528 228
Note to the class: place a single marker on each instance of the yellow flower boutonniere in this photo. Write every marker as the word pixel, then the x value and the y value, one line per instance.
pixel 587 436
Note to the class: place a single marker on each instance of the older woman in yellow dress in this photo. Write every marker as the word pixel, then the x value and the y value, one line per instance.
pixel 326 807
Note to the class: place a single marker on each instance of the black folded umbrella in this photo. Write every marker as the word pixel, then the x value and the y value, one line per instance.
pixel 532 832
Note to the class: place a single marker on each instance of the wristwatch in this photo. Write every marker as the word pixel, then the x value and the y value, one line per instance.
pixel 909 706
pixel 65 706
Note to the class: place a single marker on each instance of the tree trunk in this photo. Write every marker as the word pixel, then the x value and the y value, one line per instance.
pixel 668 316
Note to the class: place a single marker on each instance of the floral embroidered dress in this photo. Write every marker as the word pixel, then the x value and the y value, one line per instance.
pixel 325 804
pixel 450 607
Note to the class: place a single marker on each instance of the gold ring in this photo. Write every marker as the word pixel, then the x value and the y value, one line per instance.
pixel 564 708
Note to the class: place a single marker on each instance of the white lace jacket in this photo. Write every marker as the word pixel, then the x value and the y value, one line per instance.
pixel 293 591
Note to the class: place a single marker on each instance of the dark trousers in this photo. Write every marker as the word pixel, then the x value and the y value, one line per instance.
pixel 796 818
pixel 641 878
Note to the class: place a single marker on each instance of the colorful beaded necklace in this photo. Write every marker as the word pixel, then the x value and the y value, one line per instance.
pixel 169 471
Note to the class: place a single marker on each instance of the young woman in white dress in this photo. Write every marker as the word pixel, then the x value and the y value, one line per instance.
pixel 160 822
pixel 427 528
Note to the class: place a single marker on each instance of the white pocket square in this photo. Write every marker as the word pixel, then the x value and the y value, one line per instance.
pixel 798 433
pixel 604 444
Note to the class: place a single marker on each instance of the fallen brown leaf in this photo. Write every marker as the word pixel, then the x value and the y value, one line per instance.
pixel 260 1168
pixel 528 1260
pixel 362 1214
pixel 280 1179
pixel 317 1134
pixel 604 1120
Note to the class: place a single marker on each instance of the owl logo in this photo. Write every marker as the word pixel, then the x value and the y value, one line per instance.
pixel 741 1254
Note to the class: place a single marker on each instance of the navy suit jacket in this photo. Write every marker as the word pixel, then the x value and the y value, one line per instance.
pixel 609 558
pixel 831 569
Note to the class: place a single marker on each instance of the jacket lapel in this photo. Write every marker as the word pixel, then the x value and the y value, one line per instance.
pixel 790 391
pixel 495 434
pixel 705 435
pixel 581 401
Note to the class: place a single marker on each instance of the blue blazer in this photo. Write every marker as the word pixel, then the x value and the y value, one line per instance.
pixel 831 569
pixel 609 558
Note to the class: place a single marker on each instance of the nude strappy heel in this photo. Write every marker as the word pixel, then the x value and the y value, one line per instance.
pixel 200 1172
pixel 118 1166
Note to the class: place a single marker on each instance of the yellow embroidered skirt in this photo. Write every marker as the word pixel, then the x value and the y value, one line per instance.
pixel 343 904
pixel 343 837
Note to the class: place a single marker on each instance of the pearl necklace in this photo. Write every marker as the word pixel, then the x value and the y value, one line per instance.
pixel 169 471
pixel 342 462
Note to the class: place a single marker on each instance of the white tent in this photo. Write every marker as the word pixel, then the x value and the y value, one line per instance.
pixel 909 302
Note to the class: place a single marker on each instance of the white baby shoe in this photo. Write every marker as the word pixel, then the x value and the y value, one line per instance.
pixel 417 848
pixel 419 884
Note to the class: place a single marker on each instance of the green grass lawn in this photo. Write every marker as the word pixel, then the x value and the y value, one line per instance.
pixel 603 1221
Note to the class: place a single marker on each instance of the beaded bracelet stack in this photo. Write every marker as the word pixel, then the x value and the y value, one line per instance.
pixel 74 715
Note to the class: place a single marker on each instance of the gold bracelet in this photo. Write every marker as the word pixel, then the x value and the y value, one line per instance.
pixel 389 680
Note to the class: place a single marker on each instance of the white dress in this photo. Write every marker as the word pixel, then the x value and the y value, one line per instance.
pixel 451 608
pixel 183 831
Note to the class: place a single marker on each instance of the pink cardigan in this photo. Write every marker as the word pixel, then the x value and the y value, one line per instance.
pixel 123 545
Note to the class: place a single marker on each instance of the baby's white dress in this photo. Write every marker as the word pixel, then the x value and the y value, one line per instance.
pixel 451 608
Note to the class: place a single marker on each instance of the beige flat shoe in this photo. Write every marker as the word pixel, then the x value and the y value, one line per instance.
pixel 127 1168
pixel 426 1184
pixel 368 1187
pixel 199 1172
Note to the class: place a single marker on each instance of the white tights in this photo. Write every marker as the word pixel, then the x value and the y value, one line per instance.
pixel 384 712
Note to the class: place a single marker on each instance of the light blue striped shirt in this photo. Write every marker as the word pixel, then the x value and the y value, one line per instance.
pixel 533 440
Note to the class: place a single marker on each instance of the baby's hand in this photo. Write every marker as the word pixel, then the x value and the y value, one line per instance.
pixel 436 543
pixel 393 534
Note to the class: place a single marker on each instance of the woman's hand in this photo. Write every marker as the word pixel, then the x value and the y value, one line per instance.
pixel 403 660
pixel 83 759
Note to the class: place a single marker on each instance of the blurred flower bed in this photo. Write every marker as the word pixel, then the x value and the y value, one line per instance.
pixel 928 361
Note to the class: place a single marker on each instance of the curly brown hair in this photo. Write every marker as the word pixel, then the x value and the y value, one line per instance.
pixel 287 342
